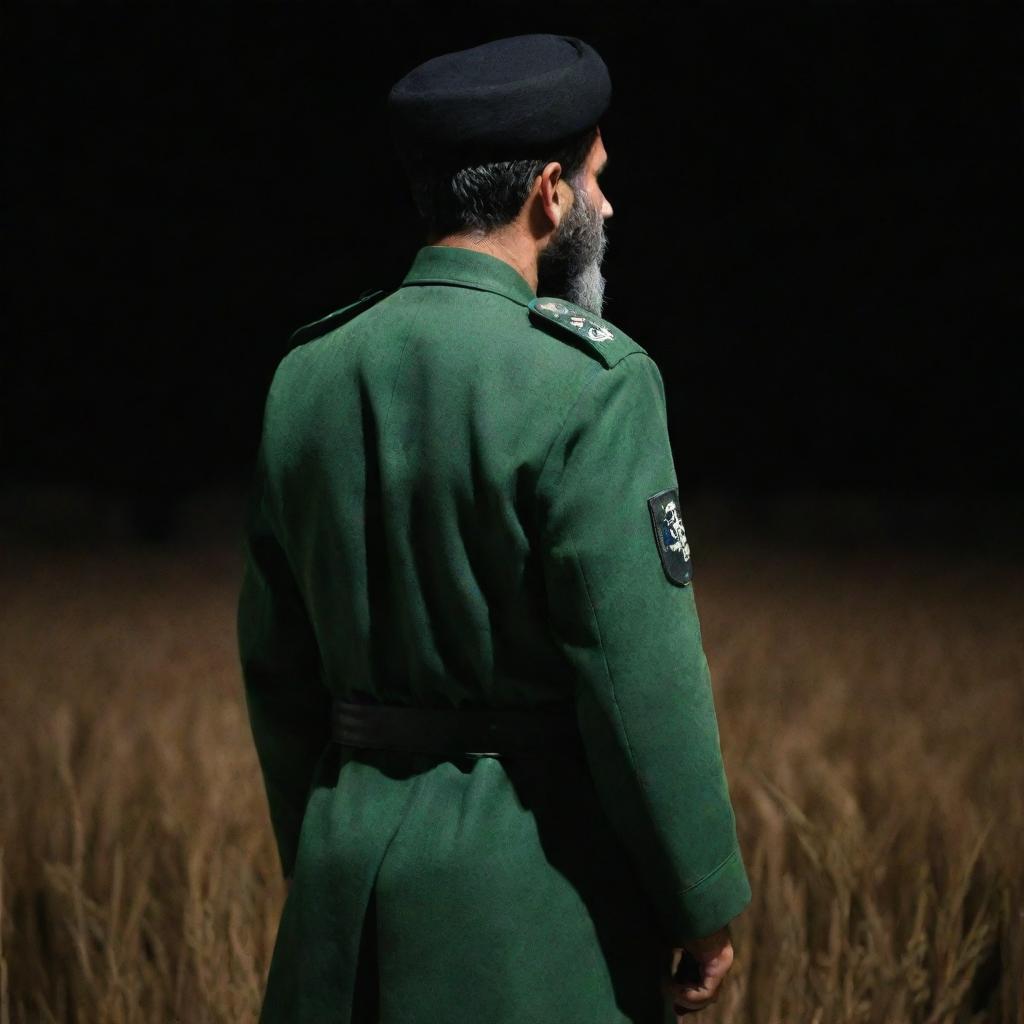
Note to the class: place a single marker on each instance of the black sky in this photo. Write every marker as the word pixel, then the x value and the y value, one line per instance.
pixel 819 213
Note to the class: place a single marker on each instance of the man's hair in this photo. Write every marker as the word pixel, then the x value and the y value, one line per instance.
pixel 489 195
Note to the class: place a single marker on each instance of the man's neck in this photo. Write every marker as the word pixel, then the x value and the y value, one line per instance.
pixel 506 244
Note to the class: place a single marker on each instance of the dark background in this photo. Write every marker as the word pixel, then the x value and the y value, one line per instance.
pixel 819 213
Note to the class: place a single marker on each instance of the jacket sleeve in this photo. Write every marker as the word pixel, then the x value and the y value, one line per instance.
pixel 643 690
pixel 287 702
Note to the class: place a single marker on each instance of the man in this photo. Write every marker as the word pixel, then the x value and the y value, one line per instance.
pixel 470 647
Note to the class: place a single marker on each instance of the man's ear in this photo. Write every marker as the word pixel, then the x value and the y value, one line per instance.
pixel 554 194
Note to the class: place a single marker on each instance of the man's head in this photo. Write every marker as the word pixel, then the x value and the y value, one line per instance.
pixel 558 203
pixel 569 264
pixel 503 153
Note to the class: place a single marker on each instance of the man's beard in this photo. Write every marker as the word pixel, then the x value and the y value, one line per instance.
pixel 570 267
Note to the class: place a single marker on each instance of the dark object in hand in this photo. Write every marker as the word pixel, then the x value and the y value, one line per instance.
pixel 688 972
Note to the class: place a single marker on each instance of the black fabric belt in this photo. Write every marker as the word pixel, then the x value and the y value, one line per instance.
pixel 492 732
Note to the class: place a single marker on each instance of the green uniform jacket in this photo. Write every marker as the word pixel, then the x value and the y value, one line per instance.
pixel 451 509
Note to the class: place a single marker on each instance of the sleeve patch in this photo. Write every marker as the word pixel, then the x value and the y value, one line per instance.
pixel 670 536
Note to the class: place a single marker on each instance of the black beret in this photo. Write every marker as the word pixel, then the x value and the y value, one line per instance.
pixel 509 98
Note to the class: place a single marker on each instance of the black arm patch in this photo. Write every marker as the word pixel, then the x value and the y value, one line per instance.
pixel 670 536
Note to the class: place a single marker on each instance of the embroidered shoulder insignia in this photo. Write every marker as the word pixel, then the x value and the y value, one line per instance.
pixel 670 536
pixel 600 337
pixel 334 320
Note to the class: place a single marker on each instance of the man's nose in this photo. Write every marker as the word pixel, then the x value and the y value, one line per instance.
pixel 606 209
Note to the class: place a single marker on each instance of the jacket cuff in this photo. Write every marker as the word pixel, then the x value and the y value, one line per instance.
pixel 713 902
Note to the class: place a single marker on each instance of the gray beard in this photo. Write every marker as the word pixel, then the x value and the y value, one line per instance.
pixel 586 289
pixel 570 267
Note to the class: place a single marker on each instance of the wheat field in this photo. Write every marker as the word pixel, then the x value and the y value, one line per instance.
pixel 871 705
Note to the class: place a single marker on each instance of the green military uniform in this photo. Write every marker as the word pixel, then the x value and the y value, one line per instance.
pixel 466 498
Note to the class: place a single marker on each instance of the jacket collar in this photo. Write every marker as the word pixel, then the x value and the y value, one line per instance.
pixel 467 268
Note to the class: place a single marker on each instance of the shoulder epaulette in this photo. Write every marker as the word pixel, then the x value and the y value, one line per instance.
pixel 599 337
pixel 333 320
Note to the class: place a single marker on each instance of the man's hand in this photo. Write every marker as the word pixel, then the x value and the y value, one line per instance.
pixel 713 955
